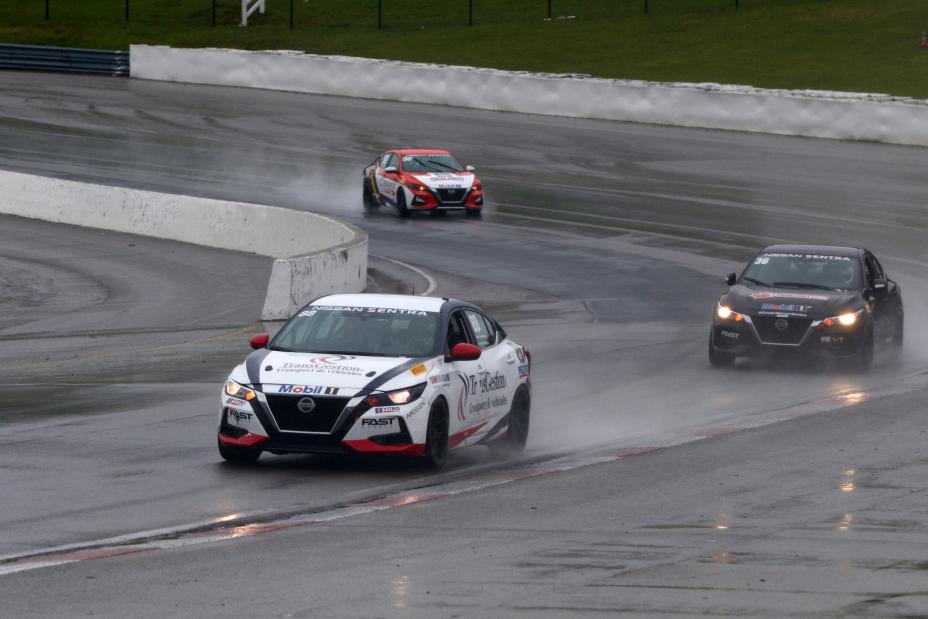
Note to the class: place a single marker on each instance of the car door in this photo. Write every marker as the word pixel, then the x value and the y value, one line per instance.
pixel 387 177
pixel 462 416
pixel 888 301
pixel 497 379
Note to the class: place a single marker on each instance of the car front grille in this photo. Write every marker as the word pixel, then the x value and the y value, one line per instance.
pixel 290 418
pixel 791 330
pixel 453 196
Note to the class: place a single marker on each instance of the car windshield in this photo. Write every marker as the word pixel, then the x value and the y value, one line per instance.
pixel 376 331
pixel 822 271
pixel 431 163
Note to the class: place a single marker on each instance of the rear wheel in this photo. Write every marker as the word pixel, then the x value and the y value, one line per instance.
pixel 401 203
pixel 517 432
pixel 719 359
pixel 436 436
pixel 238 455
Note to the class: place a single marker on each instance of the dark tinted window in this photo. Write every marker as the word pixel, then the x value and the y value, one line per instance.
pixel 803 271
pixel 484 334
pixel 457 332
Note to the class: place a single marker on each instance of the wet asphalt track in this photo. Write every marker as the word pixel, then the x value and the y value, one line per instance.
pixel 601 251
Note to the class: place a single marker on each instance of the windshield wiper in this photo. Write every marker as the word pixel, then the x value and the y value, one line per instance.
pixel 445 165
pixel 281 349
pixel 804 285
pixel 755 281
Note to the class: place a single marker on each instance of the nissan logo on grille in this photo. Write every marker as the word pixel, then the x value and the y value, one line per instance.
pixel 782 324
pixel 306 405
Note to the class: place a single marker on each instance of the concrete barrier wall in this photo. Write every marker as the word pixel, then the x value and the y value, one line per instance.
pixel 314 255
pixel 846 116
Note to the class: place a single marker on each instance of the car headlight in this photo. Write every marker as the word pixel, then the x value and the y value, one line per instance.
pixel 847 319
pixel 726 313
pixel 477 187
pixel 240 391
pixel 398 396
pixel 416 185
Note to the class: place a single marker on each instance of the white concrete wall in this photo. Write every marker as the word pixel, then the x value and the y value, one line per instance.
pixel 846 116
pixel 314 254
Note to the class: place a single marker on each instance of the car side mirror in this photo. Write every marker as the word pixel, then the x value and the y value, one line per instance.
pixel 465 352
pixel 390 169
pixel 470 168
pixel 259 341
pixel 731 278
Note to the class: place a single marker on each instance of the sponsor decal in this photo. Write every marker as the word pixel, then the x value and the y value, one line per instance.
pixel 784 308
pixel 478 385
pixel 419 370
pixel 485 382
pixel 440 379
pixel 239 416
pixel 329 364
pixel 236 402
pixel 789 295
pixel 761 259
pixel 484 406
pixel 462 398
pixel 379 423
pixel 732 335
pixel 418 408
pixel 523 370
pixel 387 409
pixel 832 339
pixel 297 389
pixel 363 310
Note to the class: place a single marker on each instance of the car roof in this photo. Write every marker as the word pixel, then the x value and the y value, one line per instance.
pixel 832 250
pixel 388 301
pixel 422 151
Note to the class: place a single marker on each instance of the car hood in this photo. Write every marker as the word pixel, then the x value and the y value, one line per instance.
pixel 450 180
pixel 325 371
pixel 800 302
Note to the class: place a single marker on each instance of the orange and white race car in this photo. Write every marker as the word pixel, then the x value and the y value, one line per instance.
pixel 422 180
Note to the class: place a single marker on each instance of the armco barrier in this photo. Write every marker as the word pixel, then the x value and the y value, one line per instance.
pixel 846 116
pixel 314 255
pixel 64 59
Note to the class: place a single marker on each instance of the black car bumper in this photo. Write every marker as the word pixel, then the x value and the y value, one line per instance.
pixel 744 339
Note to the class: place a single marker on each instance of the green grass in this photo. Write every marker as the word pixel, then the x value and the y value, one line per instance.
pixel 852 45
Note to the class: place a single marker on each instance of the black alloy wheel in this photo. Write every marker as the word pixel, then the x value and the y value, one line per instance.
pixel 719 359
pixel 238 455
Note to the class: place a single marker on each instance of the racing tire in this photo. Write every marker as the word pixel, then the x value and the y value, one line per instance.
pixel 401 203
pixel 436 437
pixel 898 334
pixel 517 432
pixel 238 455
pixel 368 198
pixel 719 359
pixel 474 212
pixel 862 360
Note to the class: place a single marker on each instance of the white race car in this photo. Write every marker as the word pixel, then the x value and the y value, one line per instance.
pixel 384 374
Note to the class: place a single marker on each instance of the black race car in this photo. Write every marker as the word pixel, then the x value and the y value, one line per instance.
pixel 822 301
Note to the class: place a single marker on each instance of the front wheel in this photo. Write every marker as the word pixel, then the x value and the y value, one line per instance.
pixel 401 203
pixel 368 198
pixel 719 359
pixel 897 335
pixel 238 455
pixel 863 358
pixel 436 437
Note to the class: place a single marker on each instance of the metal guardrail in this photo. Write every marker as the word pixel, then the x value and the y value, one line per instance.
pixel 63 59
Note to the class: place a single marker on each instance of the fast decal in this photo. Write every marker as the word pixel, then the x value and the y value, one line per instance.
pixel 387 409
pixel 236 402
pixel 383 422
pixel 295 389
pixel 789 295
pixel 366 310
pixel 240 416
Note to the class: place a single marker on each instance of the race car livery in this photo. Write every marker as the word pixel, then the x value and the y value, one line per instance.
pixel 421 180
pixel 383 374
pixel 826 302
